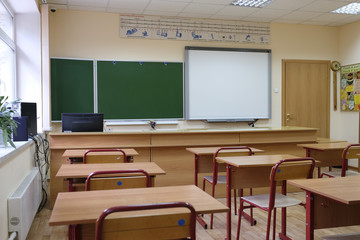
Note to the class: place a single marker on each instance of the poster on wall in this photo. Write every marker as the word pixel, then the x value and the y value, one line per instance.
pixel 174 28
pixel 350 87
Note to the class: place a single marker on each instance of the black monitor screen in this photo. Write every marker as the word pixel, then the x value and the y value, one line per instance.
pixel 82 122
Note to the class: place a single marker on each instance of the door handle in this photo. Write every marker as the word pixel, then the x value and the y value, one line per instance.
pixel 288 117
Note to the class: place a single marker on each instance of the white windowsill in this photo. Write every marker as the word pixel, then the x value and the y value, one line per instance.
pixel 9 152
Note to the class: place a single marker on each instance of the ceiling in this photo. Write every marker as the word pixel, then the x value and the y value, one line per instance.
pixel 312 12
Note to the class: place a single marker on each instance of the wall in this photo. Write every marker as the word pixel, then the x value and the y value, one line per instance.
pixel 347 123
pixel 13 169
pixel 94 35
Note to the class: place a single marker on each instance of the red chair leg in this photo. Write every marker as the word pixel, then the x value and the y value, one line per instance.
pixel 253 222
pixel 70 232
pixel 77 232
pixel 241 209
pixel 235 212
pixel 274 224
pixel 212 215
pixel 268 225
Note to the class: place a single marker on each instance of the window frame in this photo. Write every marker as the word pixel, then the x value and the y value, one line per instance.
pixel 11 42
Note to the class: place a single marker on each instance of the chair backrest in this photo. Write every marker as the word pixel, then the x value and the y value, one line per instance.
pixel 109 156
pixel 349 152
pixel 288 169
pixel 152 226
pixel 227 151
pixel 117 179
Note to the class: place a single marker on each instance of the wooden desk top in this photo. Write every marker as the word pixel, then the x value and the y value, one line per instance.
pixel 342 189
pixel 79 153
pixel 325 146
pixel 328 140
pixel 85 207
pixel 212 150
pixel 255 160
pixel 83 170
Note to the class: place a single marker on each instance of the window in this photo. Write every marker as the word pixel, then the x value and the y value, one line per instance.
pixel 6 21
pixel 7 52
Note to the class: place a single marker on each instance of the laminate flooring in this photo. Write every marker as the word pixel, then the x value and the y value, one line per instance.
pixel 40 229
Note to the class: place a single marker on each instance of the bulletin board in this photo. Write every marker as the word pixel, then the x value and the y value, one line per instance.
pixel 350 88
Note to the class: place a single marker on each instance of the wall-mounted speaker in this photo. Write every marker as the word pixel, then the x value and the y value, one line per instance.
pixel 22 129
pixel 28 109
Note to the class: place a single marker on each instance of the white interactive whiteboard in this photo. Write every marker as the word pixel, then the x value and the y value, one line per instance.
pixel 224 84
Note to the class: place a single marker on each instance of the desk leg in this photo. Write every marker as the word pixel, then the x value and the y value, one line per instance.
pixel 228 200
pixel 309 216
pixel 196 159
pixel 308 154
pixel 199 218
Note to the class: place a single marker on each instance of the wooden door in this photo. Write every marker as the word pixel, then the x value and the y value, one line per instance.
pixel 306 94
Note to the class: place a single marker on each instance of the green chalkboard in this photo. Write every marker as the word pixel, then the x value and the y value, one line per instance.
pixel 72 87
pixel 140 90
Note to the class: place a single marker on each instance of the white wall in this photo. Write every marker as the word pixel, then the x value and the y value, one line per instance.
pixel 346 124
pixel 95 35
pixel 13 170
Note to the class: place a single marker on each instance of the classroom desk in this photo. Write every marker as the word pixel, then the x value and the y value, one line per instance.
pixel 330 202
pixel 203 158
pixel 167 148
pixel 79 153
pixel 88 205
pixel 204 163
pixel 328 154
pixel 72 171
pixel 250 172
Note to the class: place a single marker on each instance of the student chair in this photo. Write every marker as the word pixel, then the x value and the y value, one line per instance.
pixel 120 156
pixel 286 169
pixel 117 179
pixel 88 158
pixel 155 225
pixel 112 179
pixel 349 152
pixel 221 179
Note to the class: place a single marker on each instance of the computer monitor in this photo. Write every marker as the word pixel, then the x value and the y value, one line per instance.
pixel 82 122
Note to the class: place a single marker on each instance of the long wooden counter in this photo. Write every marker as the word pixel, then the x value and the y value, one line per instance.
pixel 167 148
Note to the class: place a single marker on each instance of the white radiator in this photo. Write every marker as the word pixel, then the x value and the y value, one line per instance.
pixel 24 203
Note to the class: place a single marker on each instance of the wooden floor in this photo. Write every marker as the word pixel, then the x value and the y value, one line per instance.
pixel 40 230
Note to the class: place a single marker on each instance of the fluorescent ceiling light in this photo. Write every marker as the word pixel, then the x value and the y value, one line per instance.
pixel 251 3
pixel 352 8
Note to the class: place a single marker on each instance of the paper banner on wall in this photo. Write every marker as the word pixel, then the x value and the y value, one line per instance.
pixel 152 27
pixel 350 87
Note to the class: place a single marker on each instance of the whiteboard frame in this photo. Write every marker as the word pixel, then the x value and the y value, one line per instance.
pixel 225 118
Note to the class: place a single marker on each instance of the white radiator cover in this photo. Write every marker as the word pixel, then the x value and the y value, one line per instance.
pixel 24 203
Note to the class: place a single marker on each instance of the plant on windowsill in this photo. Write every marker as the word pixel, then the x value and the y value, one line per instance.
pixel 7 123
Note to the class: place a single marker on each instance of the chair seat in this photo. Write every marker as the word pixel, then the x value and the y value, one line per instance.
pixel 221 179
pixel 351 236
pixel 280 200
pixel 338 173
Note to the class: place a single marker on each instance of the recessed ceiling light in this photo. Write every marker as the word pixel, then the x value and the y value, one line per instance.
pixel 352 8
pixel 251 3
